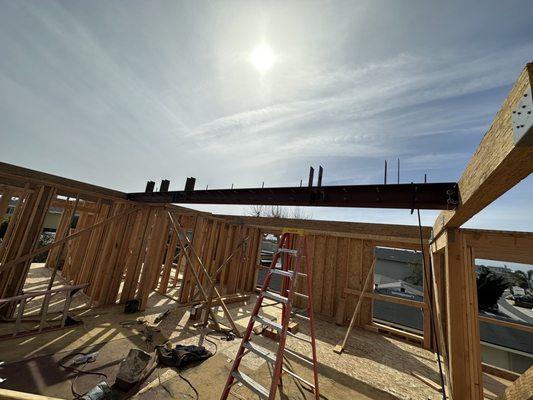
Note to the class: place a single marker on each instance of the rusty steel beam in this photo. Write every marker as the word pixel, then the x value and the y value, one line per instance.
pixel 429 196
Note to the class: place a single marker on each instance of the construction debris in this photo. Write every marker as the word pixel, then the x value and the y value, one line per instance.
pixel 133 369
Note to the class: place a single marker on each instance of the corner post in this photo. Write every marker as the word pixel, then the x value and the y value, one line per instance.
pixel 463 325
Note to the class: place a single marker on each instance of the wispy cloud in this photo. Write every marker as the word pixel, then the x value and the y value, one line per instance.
pixel 365 110
pixel 166 91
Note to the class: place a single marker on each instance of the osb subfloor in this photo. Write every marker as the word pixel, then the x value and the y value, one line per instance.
pixel 372 367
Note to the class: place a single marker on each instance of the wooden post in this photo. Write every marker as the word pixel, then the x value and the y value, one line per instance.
pixel 4 204
pixel 463 326
pixel 65 234
pixel 439 316
pixel 169 260
pixel 428 328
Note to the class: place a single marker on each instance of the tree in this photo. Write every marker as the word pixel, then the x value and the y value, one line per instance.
pixel 521 279
pixel 257 210
pixel 278 212
pixel 46 239
pixel 490 288
pixel 416 277
pixel 301 213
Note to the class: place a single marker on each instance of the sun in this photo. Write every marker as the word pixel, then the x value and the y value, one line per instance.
pixel 262 57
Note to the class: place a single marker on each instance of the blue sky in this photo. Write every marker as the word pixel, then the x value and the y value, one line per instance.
pixel 116 93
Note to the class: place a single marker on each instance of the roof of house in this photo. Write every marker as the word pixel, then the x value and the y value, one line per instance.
pixel 399 255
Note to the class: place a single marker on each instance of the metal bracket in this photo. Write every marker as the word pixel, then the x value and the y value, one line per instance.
pixel 522 119
pixel 452 199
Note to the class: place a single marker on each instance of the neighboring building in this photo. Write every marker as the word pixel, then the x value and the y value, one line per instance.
pixel 503 347
pixel 394 268
pixel 50 221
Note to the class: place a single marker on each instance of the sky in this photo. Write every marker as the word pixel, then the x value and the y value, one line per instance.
pixel 116 93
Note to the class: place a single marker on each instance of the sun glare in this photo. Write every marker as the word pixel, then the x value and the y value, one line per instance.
pixel 262 58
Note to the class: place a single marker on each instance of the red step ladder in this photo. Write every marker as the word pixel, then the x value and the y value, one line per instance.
pixel 293 251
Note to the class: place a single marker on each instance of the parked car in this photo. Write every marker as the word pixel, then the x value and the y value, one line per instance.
pixel 523 301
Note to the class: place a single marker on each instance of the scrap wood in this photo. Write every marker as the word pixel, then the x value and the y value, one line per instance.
pixel 427 381
pixel 16 395
pixel 273 334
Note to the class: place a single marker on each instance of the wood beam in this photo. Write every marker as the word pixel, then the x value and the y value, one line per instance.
pixel 377 232
pixel 18 176
pixel 498 163
pixel 501 245
pixel 389 299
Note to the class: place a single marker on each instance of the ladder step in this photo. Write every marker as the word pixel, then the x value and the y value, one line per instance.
pixel 290 274
pixel 268 322
pixel 304 317
pixel 250 384
pixel 260 351
pixel 301 295
pixel 299 378
pixel 292 252
pixel 299 356
pixel 299 337
pixel 275 297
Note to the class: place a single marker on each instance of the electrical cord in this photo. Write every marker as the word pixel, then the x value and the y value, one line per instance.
pixel 431 315
pixel 182 377
pixel 163 386
pixel 78 371
pixel 190 384
pixel 210 341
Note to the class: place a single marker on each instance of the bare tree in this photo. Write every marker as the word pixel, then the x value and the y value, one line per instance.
pixel 278 212
pixel 257 210
pixel 301 213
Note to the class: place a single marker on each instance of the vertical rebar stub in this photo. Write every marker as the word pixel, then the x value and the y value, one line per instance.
pixel 165 184
pixel 311 175
pixel 522 120
pixel 150 185
pixel 189 184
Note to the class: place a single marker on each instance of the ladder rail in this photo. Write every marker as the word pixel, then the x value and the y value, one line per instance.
pixel 288 290
pixel 311 316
